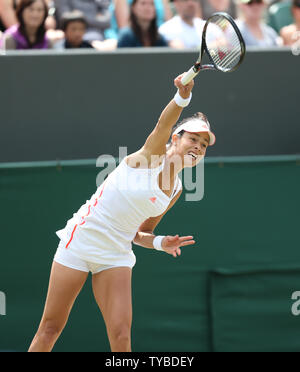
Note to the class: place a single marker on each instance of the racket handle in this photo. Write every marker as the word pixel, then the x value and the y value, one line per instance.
pixel 189 76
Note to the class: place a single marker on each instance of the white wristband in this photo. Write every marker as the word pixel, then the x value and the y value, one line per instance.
pixel 182 102
pixel 157 242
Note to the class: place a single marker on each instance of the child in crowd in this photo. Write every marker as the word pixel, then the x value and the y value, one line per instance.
pixel 74 26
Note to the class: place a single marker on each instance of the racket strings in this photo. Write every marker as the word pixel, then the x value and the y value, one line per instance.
pixel 223 44
pixel 228 59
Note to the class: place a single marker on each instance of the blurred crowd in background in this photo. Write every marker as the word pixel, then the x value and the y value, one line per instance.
pixel 111 24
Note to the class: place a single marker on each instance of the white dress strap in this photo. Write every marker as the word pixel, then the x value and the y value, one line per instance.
pixel 177 187
pixel 161 167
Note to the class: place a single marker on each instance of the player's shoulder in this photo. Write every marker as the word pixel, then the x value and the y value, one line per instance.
pixel 143 158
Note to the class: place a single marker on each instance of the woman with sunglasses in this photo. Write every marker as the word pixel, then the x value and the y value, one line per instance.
pixel 252 26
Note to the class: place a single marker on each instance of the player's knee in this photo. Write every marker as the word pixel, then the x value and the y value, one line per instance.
pixel 49 331
pixel 121 333
pixel 123 337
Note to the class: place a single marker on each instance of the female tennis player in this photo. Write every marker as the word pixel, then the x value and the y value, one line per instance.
pixel 126 207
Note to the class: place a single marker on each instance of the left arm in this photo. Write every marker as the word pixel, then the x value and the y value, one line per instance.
pixel 170 244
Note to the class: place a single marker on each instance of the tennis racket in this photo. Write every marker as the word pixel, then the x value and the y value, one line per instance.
pixel 223 44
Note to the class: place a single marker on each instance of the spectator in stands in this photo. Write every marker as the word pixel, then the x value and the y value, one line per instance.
pixel 74 26
pixel 96 13
pixel 184 30
pixel 30 31
pixel 8 17
pixel 211 6
pixel 143 31
pixel 120 10
pixel 252 26
pixel 291 34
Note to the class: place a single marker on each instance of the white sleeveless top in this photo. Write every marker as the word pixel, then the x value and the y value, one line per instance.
pixel 103 228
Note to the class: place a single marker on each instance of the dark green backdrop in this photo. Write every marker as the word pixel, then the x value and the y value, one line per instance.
pixel 79 105
pixel 230 292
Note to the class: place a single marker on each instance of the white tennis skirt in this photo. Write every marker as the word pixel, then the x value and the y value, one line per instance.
pixel 68 258
pixel 96 249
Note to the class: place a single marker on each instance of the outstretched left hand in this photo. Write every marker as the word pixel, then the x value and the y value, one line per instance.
pixel 172 244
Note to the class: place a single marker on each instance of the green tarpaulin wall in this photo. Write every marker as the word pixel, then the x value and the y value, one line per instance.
pixel 230 292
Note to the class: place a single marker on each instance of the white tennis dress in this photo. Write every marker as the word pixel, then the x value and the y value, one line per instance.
pixel 102 230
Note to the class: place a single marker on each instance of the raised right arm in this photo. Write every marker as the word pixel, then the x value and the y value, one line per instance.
pixel 157 140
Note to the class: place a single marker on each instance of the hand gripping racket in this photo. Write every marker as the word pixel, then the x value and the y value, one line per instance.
pixel 222 42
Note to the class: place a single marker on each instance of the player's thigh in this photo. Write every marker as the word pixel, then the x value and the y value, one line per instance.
pixel 112 291
pixel 64 286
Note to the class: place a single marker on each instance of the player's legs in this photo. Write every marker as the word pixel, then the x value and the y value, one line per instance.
pixel 112 291
pixel 64 286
